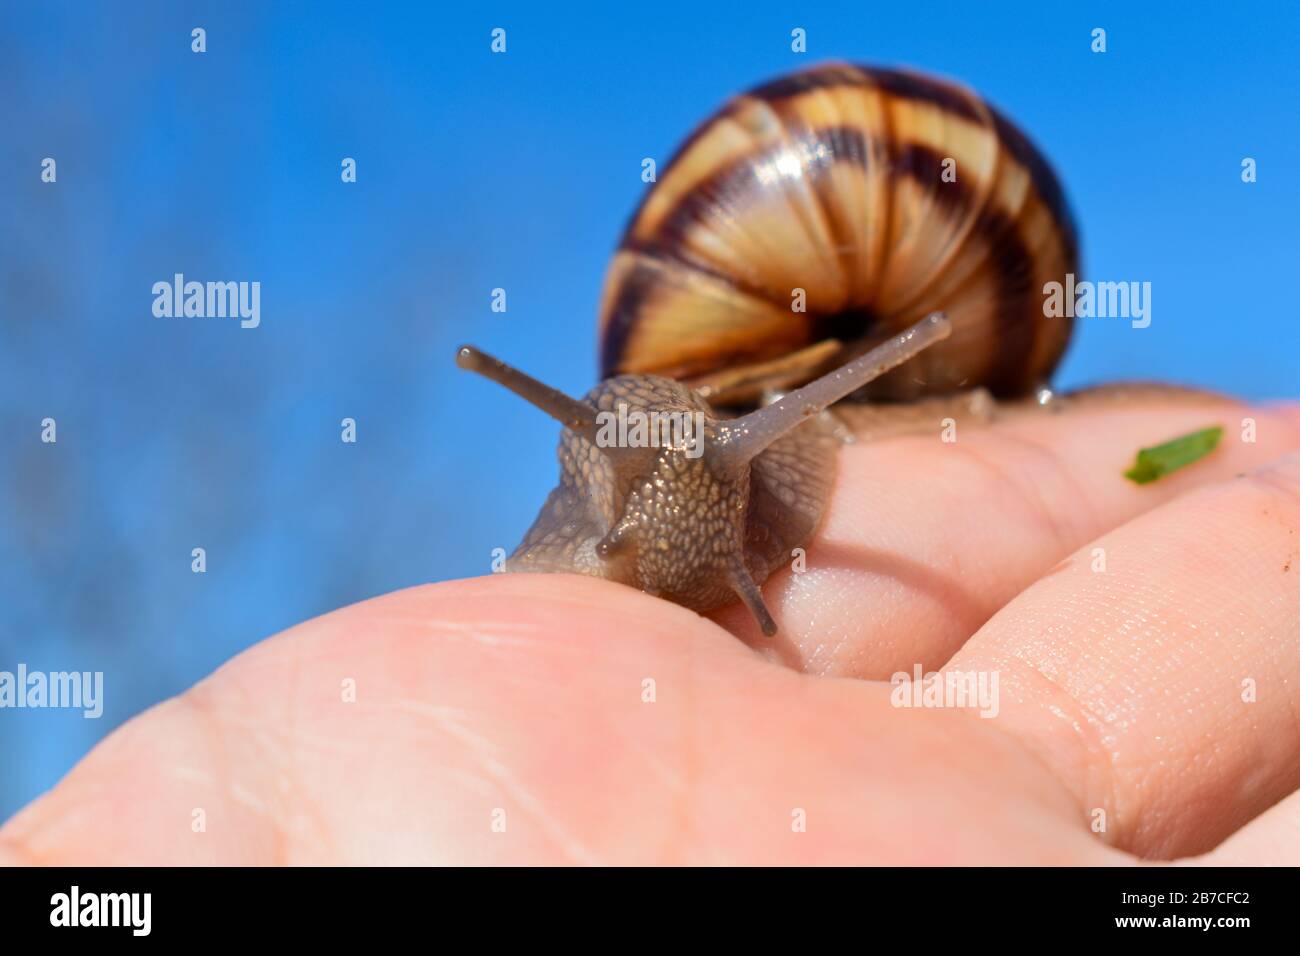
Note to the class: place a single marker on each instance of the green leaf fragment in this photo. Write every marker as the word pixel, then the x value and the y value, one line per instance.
pixel 1160 460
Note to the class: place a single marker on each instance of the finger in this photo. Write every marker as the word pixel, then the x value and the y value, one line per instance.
pixel 432 707
pixel 925 539
pixel 543 719
pixel 1163 686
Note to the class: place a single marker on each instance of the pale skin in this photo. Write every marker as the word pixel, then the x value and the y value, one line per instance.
pixel 1121 689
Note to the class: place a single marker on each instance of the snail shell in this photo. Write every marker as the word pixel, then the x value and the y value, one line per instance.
pixel 883 196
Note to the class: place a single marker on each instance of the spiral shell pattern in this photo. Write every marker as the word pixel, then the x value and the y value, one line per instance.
pixel 874 196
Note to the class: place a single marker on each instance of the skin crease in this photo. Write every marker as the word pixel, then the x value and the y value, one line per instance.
pixel 1119 690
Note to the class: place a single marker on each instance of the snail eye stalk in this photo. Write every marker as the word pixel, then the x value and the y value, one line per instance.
pixel 738 440
pixel 569 412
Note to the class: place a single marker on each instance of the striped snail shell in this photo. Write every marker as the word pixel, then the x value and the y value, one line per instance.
pixel 879 195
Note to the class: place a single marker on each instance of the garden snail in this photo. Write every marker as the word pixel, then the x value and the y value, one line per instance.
pixel 848 230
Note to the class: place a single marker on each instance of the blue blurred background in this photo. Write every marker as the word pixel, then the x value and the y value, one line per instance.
pixel 475 171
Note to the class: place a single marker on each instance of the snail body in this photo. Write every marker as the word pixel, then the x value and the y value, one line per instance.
pixel 842 231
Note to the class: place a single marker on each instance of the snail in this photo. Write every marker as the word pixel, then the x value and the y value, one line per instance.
pixel 844 231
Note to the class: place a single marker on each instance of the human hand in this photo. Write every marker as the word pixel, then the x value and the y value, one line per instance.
pixel 505 719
